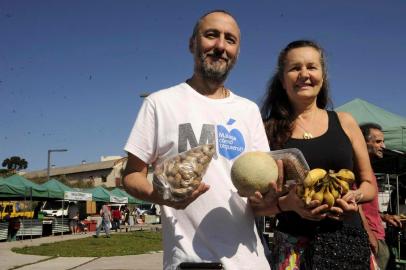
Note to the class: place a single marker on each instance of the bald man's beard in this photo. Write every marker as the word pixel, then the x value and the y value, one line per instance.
pixel 216 71
pixel 373 152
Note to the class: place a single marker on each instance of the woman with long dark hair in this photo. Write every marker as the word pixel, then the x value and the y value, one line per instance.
pixel 314 235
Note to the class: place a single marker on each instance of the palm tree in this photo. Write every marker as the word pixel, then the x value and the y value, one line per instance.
pixel 15 163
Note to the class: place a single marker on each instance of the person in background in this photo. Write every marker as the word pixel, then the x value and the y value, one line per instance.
pixel 14 224
pixel 314 235
pixel 138 216
pixel 37 209
pixel 375 141
pixel 126 217
pixel 73 215
pixel 105 221
pixel 213 224
pixel 138 212
pixel 82 227
pixel 116 213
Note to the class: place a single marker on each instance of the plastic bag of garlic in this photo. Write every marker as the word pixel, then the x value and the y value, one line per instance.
pixel 178 176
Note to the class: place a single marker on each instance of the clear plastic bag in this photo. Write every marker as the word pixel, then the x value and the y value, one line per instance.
pixel 295 166
pixel 178 176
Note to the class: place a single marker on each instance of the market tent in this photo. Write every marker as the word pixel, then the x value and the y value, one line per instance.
pixel 122 193
pixel 10 191
pixel 99 194
pixel 16 186
pixel 394 126
pixel 56 190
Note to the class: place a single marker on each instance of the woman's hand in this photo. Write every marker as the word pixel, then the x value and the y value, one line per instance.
pixel 336 212
pixel 313 211
pixel 347 205
pixel 292 202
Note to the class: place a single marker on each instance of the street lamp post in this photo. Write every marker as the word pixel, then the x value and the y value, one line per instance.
pixel 49 159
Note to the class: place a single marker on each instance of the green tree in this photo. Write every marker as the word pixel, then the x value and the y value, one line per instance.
pixel 15 163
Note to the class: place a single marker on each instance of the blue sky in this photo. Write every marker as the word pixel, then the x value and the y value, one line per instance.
pixel 71 72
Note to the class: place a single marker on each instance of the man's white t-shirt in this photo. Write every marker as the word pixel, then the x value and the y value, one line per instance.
pixel 219 225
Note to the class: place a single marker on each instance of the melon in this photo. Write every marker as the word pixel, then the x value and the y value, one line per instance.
pixel 253 171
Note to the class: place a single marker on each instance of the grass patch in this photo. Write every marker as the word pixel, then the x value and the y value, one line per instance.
pixel 120 244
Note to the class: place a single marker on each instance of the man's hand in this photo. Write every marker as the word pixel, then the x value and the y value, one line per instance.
pixel 393 220
pixel 261 203
pixel 202 188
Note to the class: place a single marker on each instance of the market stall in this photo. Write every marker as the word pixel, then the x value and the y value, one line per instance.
pixel 17 187
pixel 130 199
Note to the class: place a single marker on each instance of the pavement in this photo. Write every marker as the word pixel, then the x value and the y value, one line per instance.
pixel 11 260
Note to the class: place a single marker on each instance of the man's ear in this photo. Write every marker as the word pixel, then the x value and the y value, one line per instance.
pixel 192 45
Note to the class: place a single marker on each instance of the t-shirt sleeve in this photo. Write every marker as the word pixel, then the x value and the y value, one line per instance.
pixel 260 141
pixel 142 139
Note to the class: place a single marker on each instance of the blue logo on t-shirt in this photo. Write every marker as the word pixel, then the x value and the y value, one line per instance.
pixel 230 143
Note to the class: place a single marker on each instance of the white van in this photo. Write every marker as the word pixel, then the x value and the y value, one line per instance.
pixel 54 208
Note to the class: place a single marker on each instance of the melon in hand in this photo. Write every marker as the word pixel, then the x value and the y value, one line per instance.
pixel 253 171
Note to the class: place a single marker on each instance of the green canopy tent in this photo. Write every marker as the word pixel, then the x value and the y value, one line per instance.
pixel 10 191
pixel 122 193
pixel 99 194
pixel 56 190
pixel 16 186
pixel 394 126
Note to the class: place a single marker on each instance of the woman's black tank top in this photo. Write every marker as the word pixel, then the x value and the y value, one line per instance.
pixel 330 151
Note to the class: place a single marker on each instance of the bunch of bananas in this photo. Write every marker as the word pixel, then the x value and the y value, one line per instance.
pixel 324 186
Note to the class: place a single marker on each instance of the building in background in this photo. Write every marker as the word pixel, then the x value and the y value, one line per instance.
pixel 107 172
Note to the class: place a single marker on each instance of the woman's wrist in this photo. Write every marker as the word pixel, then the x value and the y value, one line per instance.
pixel 278 206
pixel 358 196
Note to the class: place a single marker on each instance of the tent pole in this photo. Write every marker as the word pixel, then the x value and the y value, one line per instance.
pixel 389 209
pixel 25 202
pixel 397 194
pixel 31 210
pixel 63 210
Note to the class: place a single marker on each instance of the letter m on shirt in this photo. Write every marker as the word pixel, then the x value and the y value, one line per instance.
pixel 187 135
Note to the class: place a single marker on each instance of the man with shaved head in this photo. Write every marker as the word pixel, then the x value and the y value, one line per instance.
pixel 375 141
pixel 212 224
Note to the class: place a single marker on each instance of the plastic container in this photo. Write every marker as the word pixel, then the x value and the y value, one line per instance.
pixel 295 167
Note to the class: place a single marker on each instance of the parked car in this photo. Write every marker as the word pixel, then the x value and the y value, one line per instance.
pixel 54 208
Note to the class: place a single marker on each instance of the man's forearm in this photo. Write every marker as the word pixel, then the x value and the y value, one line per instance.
pixel 139 186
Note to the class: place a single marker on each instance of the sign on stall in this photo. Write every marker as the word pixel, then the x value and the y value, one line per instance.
pixel 117 199
pixel 77 196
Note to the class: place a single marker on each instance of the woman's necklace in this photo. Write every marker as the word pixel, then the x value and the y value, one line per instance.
pixel 306 134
